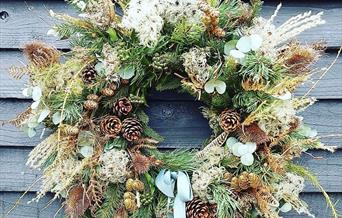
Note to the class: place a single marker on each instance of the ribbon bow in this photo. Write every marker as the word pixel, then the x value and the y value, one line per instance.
pixel 166 181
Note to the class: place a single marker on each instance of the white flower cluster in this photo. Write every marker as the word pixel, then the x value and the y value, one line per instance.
pixel 147 17
pixel 276 36
pixel 282 116
pixel 96 11
pixel 195 64
pixel 208 172
pixel 114 166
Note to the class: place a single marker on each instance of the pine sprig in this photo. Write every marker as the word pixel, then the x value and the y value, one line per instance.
pixel 226 204
pixel 113 196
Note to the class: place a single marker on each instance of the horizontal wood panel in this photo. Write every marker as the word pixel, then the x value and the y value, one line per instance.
pixel 29 20
pixel 32 210
pixel 181 123
pixel 315 201
pixel 328 88
pixel 16 176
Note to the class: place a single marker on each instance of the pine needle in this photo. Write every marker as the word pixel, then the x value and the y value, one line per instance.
pixel 314 181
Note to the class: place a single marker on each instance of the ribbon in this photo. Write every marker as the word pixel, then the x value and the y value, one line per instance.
pixel 166 181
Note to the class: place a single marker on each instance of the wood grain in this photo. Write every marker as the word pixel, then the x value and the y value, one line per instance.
pixel 328 88
pixel 29 20
pixel 18 177
pixel 25 210
pixel 181 123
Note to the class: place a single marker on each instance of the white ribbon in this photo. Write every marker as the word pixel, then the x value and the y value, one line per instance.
pixel 166 181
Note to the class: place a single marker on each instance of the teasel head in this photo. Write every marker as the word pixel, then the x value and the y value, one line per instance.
pixel 41 55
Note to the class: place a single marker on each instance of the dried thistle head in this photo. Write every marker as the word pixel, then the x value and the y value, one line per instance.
pixel 253 133
pixel 41 55
pixel 77 202
pixel 142 163
pixel 298 58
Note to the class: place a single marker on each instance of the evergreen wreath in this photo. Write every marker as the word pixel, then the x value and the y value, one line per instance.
pixel 102 156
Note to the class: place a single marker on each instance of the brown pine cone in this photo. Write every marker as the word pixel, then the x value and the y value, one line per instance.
pixel 131 129
pixel 196 208
pixel 89 75
pixel 90 105
pixel 107 92
pixel 122 106
pixel 229 120
pixel 110 126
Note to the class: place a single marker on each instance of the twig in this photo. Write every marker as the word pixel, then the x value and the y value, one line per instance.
pixel 324 73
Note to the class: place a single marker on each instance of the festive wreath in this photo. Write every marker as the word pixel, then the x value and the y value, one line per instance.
pixel 102 156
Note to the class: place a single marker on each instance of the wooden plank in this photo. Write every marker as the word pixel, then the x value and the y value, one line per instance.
pixel 29 20
pixel 16 176
pixel 328 88
pixel 315 201
pixel 24 210
pixel 181 123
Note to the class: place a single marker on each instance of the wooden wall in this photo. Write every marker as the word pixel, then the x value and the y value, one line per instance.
pixel 176 117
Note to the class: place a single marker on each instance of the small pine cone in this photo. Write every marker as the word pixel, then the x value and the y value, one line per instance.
pixel 93 97
pixel 130 205
pixel 254 180
pixel 89 74
pixel 129 195
pixel 114 86
pixel 90 105
pixel 229 120
pixel 129 184
pixel 235 183
pixel 122 106
pixel 107 92
pixel 131 129
pixel 110 126
pixel 114 81
pixel 244 181
pixel 138 185
pixel 124 81
pixel 71 130
pixel 196 208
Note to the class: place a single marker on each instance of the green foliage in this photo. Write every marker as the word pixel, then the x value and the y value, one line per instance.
pixel 149 132
pixel 177 160
pixel 314 181
pixel 113 196
pixel 259 69
pixel 168 82
pixel 224 198
pixel 249 101
pixel 185 33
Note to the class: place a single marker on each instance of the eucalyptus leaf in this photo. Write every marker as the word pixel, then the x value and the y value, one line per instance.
pixel 237 54
pixel 35 105
pixel 112 34
pixel 235 149
pixel 286 208
pixel 229 46
pixel 215 84
pixel 36 93
pixel 31 132
pixel 251 146
pixel 57 118
pixel 255 41
pixel 126 73
pixel 43 115
pixel 243 149
pixel 86 151
pixel 99 67
pixel 247 159
pixel 27 92
pixel 244 44
pixel 231 141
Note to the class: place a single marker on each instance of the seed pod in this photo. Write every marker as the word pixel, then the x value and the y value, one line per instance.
pixel 107 92
pixel 244 181
pixel 235 183
pixel 129 195
pixel 93 97
pixel 254 180
pixel 90 105
pixel 227 176
pixel 138 185
pixel 129 184
pixel 71 130
pixel 130 205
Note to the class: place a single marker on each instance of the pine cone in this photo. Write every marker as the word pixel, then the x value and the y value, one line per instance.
pixel 107 92
pixel 92 102
pixel 196 208
pixel 122 106
pixel 89 74
pixel 110 126
pixel 114 81
pixel 131 129
pixel 229 120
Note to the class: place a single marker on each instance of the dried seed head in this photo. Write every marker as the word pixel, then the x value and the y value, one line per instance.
pixel 41 55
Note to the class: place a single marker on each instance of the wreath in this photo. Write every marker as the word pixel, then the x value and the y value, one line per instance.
pixel 103 157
